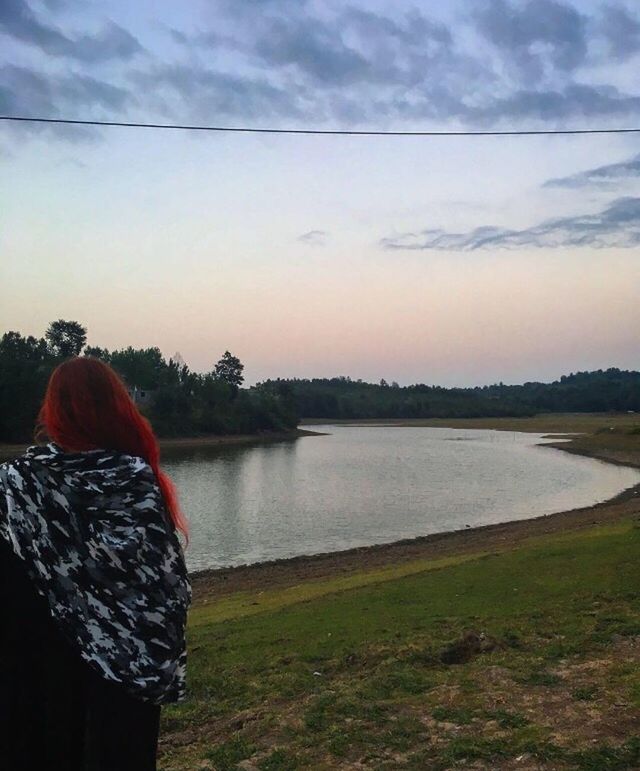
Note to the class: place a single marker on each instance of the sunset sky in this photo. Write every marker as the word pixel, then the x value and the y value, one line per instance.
pixel 454 261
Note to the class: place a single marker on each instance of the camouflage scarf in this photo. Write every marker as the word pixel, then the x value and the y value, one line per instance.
pixel 95 538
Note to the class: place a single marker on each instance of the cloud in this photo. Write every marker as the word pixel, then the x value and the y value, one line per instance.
pixel 552 107
pixel 206 93
pixel 21 86
pixel 412 29
pixel 359 67
pixel 313 238
pixel 618 225
pixel 575 100
pixel 314 50
pixel 621 31
pixel 510 64
pixel 601 175
pixel 111 42
pixel 358 46
pixel 536 36
pixel 24 91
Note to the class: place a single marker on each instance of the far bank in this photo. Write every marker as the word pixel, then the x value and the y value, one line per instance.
pixel 546 423
pixel 8 451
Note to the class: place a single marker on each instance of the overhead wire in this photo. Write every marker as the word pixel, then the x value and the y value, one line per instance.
pixel 322 132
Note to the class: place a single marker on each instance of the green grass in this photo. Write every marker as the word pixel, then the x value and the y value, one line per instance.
pixel 460 715
pixel 226 756
pixel 348 669
pixel 585 693
pixel 507 719
pixel 252 603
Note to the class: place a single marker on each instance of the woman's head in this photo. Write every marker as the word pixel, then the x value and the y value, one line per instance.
pixel 87 407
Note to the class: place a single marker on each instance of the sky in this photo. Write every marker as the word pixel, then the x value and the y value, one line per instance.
pixel 449 260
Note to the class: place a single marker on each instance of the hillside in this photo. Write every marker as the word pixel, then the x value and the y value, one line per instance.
pixel 611 390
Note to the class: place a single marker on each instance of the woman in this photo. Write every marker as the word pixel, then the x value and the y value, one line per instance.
pixel 93 585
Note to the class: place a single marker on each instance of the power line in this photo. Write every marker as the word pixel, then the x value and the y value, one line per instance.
pixel 325 132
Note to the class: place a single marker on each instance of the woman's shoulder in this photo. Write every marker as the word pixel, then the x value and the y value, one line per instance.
pixel 13 468
pixel 31 455
pixel 28 465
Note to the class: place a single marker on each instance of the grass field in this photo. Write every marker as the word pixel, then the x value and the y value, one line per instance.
pixel 524 659
pixel 510 647
pixel 517 651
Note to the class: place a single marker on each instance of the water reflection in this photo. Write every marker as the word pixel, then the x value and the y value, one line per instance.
pixel 364 485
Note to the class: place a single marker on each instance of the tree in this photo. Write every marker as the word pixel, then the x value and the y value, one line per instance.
pixel 229 369
pixel 14 347
pixel 142 367
pixel 25 364
pixel 65 338
pixel 98 353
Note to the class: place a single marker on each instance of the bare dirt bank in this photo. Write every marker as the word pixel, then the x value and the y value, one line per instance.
pixel 617 449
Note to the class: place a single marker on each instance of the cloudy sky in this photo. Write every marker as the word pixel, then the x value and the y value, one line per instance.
pixel 455 261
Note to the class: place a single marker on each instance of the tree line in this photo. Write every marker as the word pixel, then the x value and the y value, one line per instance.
pixel 178 402
pixel 610 390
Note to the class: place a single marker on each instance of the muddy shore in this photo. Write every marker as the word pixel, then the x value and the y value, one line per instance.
pixel 489 538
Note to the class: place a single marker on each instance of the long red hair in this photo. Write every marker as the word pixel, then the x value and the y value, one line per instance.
pixel 87 407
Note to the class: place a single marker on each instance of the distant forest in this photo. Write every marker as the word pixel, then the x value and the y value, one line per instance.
pixel 611 390
pixel 180 402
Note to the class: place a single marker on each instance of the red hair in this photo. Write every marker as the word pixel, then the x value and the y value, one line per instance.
pixel 87 407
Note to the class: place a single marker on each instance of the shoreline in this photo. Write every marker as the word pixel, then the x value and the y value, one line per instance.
pixel 284 572
pixel 212 583
pixel 543 423
pixel 194 442
pixel 484 647
pixel 11 450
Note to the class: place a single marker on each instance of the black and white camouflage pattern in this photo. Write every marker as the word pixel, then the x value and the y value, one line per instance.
pixel 98 544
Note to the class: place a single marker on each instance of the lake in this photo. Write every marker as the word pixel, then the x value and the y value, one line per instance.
pixel 363 485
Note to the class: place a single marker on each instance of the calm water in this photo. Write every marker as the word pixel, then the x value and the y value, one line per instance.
pixel 366 485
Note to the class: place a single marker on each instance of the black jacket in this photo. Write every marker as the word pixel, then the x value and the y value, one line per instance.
pixel 94 537
pixel 55 711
